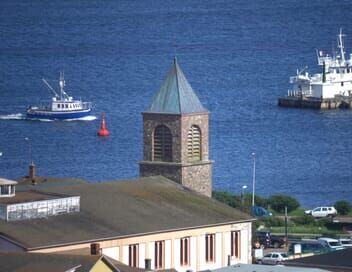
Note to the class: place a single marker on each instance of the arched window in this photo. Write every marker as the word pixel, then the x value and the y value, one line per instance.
pixel 194 144
pixel 162 144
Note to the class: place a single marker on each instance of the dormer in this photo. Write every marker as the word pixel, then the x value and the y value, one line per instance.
pixel 7 188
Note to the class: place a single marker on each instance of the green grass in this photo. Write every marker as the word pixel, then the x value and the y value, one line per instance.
pixel 297 212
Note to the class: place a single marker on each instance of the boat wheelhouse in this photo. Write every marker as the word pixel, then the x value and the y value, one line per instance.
pixel 62 105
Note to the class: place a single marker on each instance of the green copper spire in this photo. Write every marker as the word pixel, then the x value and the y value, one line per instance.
pixel 176 94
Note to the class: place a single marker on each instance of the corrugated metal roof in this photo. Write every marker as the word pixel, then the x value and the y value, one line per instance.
pixel 176 95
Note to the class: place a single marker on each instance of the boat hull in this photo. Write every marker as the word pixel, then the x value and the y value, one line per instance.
pixel 50 115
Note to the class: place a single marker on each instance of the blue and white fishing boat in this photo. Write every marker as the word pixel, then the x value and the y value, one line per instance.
pixel 62 106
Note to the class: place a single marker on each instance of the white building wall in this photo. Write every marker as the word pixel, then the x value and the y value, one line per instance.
pixel 125 254
pixel 141 254
pixel 177 255
pixel 244 245
pixel 112 252
pixel 202 263
pixel 43 208
pixel 168 254
pixel 227 247
pixel 193 255
pixel 151 253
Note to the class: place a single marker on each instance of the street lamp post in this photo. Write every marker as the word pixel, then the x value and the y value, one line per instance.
pixel 242 194
pixel 30 148
pixel 253 193
pixel 32 167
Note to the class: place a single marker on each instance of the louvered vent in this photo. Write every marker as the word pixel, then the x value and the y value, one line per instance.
pixel 194 144
pixel 162 144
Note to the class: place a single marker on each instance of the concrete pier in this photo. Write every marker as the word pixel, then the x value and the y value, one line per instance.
pixel 338 102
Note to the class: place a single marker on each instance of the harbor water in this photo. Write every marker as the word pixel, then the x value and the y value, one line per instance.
pixel 238 57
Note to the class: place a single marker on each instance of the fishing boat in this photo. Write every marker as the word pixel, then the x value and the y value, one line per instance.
pixel 61 107
pixel 331 88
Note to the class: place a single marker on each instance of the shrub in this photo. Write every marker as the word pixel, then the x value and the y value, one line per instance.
pixel 343 207
pixel 279 202
pixel 226 198
pixel 304 220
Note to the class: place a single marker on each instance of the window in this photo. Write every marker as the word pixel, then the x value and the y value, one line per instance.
pixel 133 255
pixel 162 144
pixel 235 244
pixel 185 251
pixel 210 248
pixel 159 249
pixel 194 144
pixel 58 105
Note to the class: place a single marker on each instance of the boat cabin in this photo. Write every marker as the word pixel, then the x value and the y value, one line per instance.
pixel 63 105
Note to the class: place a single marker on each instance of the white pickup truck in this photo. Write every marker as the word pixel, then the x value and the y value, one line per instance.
pixel 322 212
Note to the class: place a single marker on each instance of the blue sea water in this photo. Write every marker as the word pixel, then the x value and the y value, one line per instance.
pixel 237 55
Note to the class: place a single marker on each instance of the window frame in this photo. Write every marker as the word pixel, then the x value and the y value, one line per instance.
pixel 236 244
pixel 210 246
pixel 185 247
pixel 133 255
pixel 159 254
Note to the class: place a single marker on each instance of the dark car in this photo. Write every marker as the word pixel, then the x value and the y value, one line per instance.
pixel 259 211
pixel 265 239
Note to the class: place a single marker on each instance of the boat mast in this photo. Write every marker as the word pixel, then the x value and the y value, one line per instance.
pixel 341 46
pixel 62 84
pixel 63 94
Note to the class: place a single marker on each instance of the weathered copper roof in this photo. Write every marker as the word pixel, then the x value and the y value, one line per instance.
pixel 176 95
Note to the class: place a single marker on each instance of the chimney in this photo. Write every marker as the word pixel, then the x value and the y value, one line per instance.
pixel 32 170
pixel 95 249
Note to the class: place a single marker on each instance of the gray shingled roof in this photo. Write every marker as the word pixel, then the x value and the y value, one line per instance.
pixel 176 95
pixel 119 209
pixel 29 262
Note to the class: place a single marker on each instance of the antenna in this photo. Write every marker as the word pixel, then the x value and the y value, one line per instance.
pixel 341 46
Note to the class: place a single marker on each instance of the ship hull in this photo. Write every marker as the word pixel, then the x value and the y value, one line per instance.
pixel 51 115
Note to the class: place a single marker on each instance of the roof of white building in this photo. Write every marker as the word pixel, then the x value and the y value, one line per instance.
pixel 113 210
pixel 7 182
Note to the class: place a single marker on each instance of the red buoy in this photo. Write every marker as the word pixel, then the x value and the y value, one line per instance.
pixel 103 132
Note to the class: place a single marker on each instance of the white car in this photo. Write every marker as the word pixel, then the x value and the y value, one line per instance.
pixel 333 244
pixel 322 212
pixel 273 258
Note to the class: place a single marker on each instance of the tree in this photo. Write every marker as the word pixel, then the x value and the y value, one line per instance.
pixel 226 198
pixel 343 207
pixel 279 202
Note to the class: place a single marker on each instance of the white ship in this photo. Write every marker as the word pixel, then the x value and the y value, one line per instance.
pixel 335 80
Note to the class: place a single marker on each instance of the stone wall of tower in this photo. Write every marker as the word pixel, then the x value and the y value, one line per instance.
pixel 196 175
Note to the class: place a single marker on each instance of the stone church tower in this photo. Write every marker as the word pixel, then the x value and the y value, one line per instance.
pixel 176 135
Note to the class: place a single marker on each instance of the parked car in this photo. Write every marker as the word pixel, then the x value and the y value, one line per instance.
pixel 331 243
pixel 266 239
pixel 259 211
pixel 273 258
pixel 320 212
pixel 345 242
